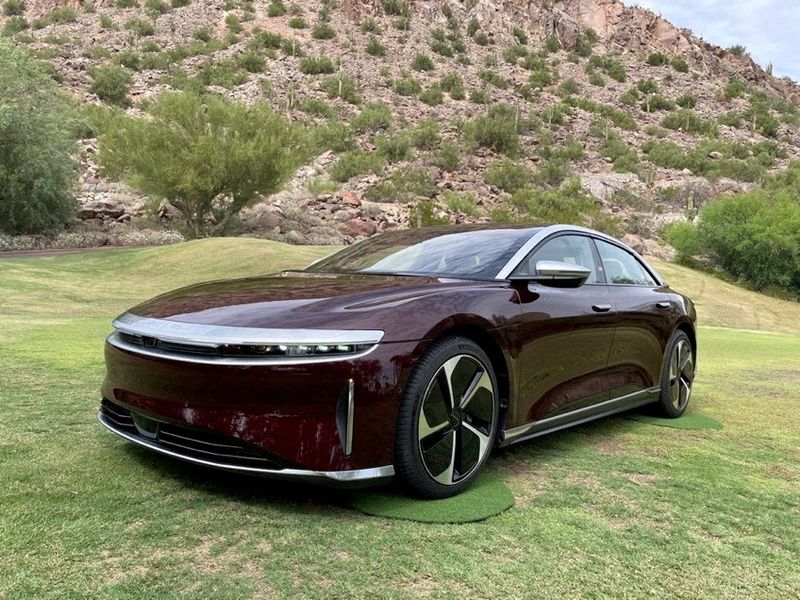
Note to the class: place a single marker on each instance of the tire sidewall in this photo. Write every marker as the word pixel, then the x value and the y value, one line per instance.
pixel 408 458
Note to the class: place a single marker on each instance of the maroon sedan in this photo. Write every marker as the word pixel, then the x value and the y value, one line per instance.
pixel 412 354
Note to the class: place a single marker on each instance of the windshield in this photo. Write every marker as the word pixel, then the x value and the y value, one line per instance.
pixel 475 254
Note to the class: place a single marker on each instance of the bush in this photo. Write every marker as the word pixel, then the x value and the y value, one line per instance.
pixel 687 100
pixel 497 129
pixel 342 86
pixel 406 86
pixel 735 88
pixel 334 136
pixel 508 175
pixel 679 64
pixel 609 64
pixel 685 239
pixel 126 3
pixel 180 3
pixel 690 122
pixel 373 117
pixel 426 134
pixel 323 31
pixel 129 60
pixel 111 83
pixel 432 96
pixel 375 48
pixel 14 25
pixel 13 7
pixel 755 237
pixel 225 73
pixel 276 8
pixel 657 59
pixel 453 85
pixel 654 102
pixel 355 163
pixel 371 26
pixel 422 62
pixel 569 87
pixel 140 27
pixel 520 35
pixel 251 61
pixel 448 157
pixel 36 168
pixel 480 97
pixel 402 186
pixel 394 148
pixel 315 65
pixel 157 7
pixel 297 23
pixel 206 155
pixel 316 107
pixel 233 24
pixel 396 8
pixel 493 78
pixel 204 34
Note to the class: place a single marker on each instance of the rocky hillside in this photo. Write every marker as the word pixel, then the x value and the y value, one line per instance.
pixel 439 110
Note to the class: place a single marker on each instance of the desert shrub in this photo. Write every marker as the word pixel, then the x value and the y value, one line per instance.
pixel 129 60
pixel 654 102
pixel 422 62
pixel 620 118
pixel 737 50
pixel 375 48
pixel 276 8
pixel 480 96
pixel 111 84
pixel 755 237
pixel 342 86
pixel 335 136
pixel 355 162
pixel 481 38
pixel 520 35
pixel 394 148
pixel 373 117
pixel 251 61
pixel 731 118
pixel 508 175
pixel 514 52
pixel 406 86
pixel 126 3
pixel 472 27
pixel 609 64
pixel 432 96
pixel 156 7
pixel 403 186
pixel 396 8
pixel 569 87
pixel 150 46
pixel 685 239
pixel 448 157
pixel 225 73
pixel 687 100
pixel 264 40
pixel 761 120
pixel 689 121
pixel 442 48
pixel 204 34
pixel 453 85
pixel 297 23
pixel 13 8
pixel 233 24
pixel 97 52
pixel 497 129
pixel 555 114
pixel 14 25
pixel 552 44
pixel 657 59
pixel 493 78
pixel 316 107
pixel 207 155
pixel 647 86
pixel 371 26
pixel 141 27
pixel 36 168
pixel 426 134
pixel 424 214
pixel 735 88
pixel 630 97
pixel 596 79
pixel 679 64
pixel 461 203
pixel 323 31
pixel 315 65
pixel 180 3
pixel 291 47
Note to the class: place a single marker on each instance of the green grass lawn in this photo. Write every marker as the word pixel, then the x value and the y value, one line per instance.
pixel 614 508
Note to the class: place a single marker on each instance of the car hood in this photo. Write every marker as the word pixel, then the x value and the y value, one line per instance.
pixel 296 300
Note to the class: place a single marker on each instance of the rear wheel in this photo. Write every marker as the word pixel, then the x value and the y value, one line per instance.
pixel 447 420
pixel 677 376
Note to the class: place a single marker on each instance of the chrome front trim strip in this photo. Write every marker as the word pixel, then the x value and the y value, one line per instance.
pixel 348 438
pixel 546 232
pixel 233 361
pixel 216 335
pixel 355 475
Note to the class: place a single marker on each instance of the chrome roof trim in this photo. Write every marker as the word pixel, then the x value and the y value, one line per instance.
pixel 232 361
pixel 354 475
pixel 216 335
pixel 544 233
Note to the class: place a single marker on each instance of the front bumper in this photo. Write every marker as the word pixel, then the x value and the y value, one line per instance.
pixel 234 464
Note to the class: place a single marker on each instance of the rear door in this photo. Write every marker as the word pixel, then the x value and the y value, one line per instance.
pixel 564 337
pixel 645 313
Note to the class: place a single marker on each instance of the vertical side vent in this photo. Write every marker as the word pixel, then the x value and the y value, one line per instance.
pixel 344 417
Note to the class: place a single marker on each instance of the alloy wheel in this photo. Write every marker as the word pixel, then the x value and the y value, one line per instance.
pixel 681 374
pixel 456 419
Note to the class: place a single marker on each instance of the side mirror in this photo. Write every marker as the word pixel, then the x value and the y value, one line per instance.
pixel 556 274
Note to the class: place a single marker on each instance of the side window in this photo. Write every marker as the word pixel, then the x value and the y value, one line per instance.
pixel 572 249
pixel 622 267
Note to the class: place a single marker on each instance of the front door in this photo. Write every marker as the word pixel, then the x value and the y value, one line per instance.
pixel 564 337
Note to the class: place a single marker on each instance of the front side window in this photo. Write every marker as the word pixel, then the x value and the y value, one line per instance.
pixel 570 249
pixel 621 267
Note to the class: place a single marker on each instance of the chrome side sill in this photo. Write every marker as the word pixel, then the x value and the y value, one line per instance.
pixel 343 477
pixel 579 416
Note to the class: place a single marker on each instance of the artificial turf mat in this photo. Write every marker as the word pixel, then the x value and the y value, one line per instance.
pixel 486 498
pixel 693 420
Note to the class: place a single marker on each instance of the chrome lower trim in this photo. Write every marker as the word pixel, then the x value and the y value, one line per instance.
pixel 348 443
pixel 579 416
pixel 355 475
pixel 217 335
pixel 235 361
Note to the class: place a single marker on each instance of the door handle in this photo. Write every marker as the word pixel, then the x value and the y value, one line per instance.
pixel 601 308
pixel 663 304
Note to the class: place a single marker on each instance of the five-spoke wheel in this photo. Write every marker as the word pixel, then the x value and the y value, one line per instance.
pixel 448 419
pixel 677 376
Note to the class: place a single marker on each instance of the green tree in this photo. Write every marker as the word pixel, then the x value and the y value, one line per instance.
pixel 208 156
pixel 36 168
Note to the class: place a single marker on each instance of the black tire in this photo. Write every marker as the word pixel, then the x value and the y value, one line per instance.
pixel 442 455
pixel 677 376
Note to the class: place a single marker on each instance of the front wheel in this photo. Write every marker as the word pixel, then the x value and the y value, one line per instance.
pixel 677 376
pixel 447 420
